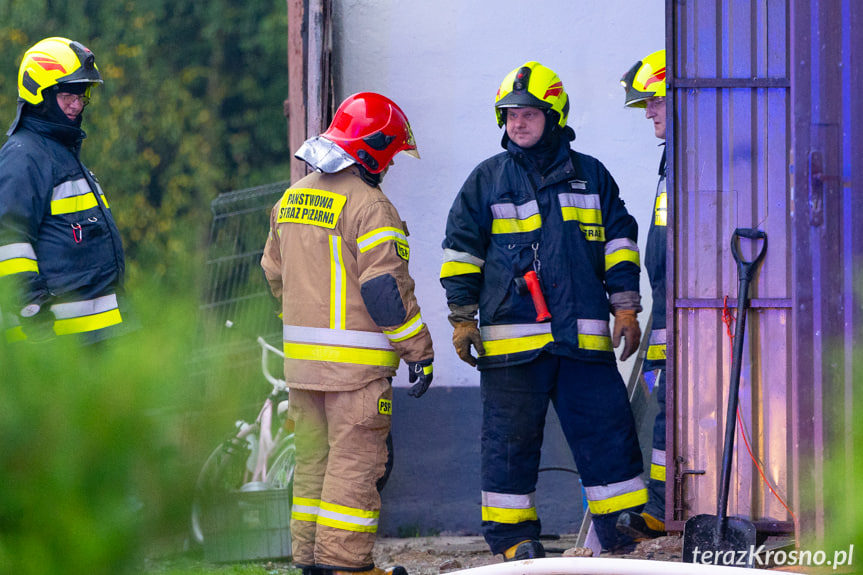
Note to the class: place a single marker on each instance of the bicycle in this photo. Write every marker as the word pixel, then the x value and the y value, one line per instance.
pixel 261 455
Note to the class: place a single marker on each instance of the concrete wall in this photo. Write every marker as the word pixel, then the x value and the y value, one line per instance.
pixel 442 62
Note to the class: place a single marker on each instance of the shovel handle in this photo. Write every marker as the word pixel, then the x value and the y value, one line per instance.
pixel 746 269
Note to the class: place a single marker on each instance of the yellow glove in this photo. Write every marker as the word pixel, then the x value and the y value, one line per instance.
pixel 465 334
pixel 626 325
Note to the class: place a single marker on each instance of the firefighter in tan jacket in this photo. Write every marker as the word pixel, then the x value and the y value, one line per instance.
pixel 337 258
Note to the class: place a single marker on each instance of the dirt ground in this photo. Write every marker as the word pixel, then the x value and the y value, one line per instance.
pixel 442 554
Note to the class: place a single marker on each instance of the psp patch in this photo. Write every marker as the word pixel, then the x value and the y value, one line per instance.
pixel 403 249
pixel 385 407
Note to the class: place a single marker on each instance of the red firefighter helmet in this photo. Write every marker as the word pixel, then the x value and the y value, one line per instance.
pixel 372 129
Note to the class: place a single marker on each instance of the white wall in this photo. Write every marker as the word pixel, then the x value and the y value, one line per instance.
pixel 442 62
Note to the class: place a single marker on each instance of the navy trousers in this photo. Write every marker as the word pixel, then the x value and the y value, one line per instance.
pixel 594 412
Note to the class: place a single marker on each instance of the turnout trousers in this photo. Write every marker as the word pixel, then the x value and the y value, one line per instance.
pixel 341 454
pixel 591 402
pixel 656 486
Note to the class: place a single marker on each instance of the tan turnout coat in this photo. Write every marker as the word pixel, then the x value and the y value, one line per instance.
pixel 329 235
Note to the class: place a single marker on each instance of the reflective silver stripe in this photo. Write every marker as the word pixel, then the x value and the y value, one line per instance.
pixel 593 327
pixel 70 189
pixel 84 308
pixel 657 337
pixel 508 331
pixel 620 244
pixel 343 337
pixel 403 332
pixel 365 518
pixel 368 241
pixel 307 509
pixel 20 250
pixel 450 255
pixel 600 492
pixel 586 201
pixel 657 457
pixel 508 500
pixel 520 212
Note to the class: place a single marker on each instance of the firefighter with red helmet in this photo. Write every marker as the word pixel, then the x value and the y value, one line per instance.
pixel 337 258
pixel 61 257
pixel 539 243
pixel 644 84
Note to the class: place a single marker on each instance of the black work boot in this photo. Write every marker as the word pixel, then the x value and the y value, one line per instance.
pixel 640 525
pixel 528 549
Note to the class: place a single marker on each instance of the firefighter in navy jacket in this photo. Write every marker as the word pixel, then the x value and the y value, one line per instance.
pixel 541 217
pixel 645 88
pixel 61 258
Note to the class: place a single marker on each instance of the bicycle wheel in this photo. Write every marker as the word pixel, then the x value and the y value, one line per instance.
pixel 223 472
pixel 283 460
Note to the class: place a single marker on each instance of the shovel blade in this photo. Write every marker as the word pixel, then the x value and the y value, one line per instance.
pixel 728 541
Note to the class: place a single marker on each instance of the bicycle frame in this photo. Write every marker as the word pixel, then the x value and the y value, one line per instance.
pixel 264 421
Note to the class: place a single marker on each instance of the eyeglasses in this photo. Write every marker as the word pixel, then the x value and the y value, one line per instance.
pixel 655 102
pixel 68 99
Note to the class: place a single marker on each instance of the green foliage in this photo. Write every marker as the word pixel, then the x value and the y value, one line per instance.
pixel 192 106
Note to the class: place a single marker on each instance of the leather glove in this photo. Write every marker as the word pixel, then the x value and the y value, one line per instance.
pixel 37 323
pixel 626 324
pixel 422 371
pixel 465 334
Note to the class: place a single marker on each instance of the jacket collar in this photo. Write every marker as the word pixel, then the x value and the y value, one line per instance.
pixel 69 136
pixel 560 167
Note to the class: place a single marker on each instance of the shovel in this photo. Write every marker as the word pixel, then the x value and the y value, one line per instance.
pixel 719 539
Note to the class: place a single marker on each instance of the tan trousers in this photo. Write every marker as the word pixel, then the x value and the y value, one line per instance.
pixel 341 453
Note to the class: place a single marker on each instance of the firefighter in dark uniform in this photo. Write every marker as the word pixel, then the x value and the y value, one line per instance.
pixel 645 88
pixel 540 220
pixel 61 258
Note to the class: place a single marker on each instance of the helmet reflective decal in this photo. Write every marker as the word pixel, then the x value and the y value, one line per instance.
pixel 49 64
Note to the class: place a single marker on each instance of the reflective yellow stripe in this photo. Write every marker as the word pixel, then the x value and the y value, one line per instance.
pixel 657 472
pixel 73 204
pixel 656 352
pixel 594 334
pixel 406 330
pixel 594 342
pixel 508 507
pixel 660 210
pixel 16 258
pixel 351 355
pixel 583 215
pixel 501 515
pixel 618 502
pixel 584 208
pixel 517 344
pixel 603 499
pixel 17 266
pixel 338 285
pixel 515 226
pixel 449 269
pixel 619 256
pixel 621 250
pixel 87 323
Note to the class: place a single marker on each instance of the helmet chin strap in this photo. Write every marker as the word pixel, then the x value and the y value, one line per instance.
pixel 371 179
